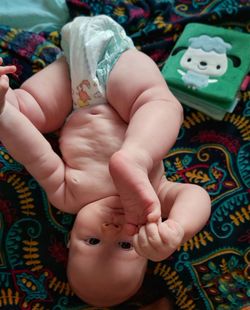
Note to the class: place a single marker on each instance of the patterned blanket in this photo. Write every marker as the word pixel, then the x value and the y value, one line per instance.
pixel 210 271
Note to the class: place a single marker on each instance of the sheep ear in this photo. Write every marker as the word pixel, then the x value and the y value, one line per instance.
pixel 177 50
pixel 235 59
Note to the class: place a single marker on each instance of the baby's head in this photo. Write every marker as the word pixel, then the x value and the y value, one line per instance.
pixel 103 267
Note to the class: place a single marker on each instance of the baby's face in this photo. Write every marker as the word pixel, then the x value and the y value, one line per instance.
pixel 99 229
pixel 102 254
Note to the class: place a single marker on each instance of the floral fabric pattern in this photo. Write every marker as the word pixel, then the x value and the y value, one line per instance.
pixel 210 271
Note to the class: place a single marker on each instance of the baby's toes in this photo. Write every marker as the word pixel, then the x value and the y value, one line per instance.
pixel 131 229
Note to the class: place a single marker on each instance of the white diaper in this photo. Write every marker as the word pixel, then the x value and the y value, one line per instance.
pixel 92 45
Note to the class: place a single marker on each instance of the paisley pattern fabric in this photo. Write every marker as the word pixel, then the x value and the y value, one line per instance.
pixel 210 271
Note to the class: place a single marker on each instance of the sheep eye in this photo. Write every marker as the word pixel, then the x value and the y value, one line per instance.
pixel 189 59
pixel 218 67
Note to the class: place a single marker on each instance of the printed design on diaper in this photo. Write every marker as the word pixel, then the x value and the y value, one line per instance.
pixel 82 93
pixel 205 59
pixel 85 92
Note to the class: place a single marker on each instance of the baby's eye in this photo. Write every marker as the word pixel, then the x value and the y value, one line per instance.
pixel 92 241
pixel 125 245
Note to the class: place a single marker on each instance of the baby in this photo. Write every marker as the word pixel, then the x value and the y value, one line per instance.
pixel 110 172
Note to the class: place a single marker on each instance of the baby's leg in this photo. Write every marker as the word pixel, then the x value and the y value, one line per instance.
pixel 187 207
pixel 138 196
pixel 138 92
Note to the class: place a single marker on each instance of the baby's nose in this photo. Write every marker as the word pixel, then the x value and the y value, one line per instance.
pixel 110 228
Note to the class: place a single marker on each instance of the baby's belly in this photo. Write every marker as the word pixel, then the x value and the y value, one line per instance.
pixel 88 139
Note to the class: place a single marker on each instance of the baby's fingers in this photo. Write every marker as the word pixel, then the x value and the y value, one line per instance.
pixel 7 69
pixel 4 85
pixel 131 229
pixel 171 233
pixel 153 236
pixel 140 242
pixel 148 241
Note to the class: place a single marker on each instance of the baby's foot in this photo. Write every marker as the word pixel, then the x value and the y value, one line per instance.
pixel 138 197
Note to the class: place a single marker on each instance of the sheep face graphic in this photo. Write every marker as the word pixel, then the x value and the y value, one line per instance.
pixel 204 58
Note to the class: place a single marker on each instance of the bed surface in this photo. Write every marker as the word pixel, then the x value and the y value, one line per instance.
pixel 210 271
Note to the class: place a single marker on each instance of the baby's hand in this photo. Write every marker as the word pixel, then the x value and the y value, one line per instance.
pixel 157 241
pixel 4 82
pixel 6 69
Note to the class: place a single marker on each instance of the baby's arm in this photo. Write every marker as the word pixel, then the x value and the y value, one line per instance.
pixel 28 146
pixel 45 98
pixel 187 208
